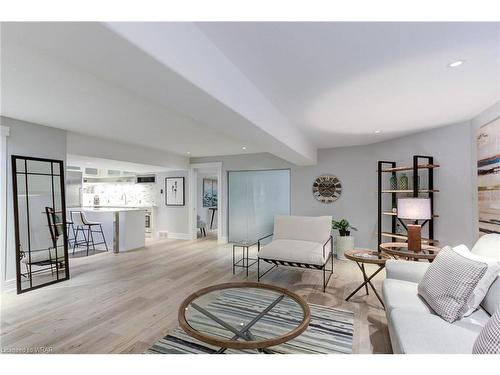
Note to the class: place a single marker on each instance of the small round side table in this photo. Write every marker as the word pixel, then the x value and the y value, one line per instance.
pixel 400 250
pixel 362 256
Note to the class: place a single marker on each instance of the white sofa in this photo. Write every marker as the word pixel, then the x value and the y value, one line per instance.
pixel 299 241
pixel 414 328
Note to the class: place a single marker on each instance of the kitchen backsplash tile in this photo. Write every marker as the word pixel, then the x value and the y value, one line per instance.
pixel 119 194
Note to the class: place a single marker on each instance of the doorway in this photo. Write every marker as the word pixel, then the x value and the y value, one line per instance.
pixel 205 201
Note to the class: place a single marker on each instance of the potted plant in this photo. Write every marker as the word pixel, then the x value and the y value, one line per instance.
pixel 345 241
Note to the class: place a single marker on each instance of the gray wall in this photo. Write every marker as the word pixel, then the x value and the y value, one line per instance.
pixel 26 139
pixel 356 168
pixel 172 219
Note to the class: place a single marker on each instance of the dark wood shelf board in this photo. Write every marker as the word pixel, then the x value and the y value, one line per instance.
pixel 403 237
pixel 410 168
pixel 389 213
pixel 410 191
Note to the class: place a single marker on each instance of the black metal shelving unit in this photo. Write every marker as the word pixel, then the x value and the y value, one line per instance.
pixel 391 168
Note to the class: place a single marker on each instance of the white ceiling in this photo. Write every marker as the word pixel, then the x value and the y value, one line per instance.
pixel 339 82
pixel 283 88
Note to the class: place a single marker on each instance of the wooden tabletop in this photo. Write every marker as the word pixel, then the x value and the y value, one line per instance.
pixel 400 249
pixel 236 344
pixel 366 256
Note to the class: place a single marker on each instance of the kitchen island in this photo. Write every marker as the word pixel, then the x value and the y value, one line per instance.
pixel 123 227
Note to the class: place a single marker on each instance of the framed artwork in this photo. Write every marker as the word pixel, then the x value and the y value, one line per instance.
pixel 174 191
pixel 488 177
pixel 209 192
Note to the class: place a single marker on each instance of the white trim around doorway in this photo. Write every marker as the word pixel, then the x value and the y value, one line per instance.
pixel 221 216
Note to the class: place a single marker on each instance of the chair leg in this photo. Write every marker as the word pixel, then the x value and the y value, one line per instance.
pixel 75 240
pixel 324 279
pixel 258 269
pixel 91 232
pixel 103 238
pixel 87 241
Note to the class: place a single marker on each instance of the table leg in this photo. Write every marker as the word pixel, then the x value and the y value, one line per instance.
pixel 247 261
pixel 368 280
pixel 364 276
pixel 233 260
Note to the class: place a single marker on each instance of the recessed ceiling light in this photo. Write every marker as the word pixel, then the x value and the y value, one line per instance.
pixel 378 131
pixel 244 148
pixel 454 64
pixel 189 152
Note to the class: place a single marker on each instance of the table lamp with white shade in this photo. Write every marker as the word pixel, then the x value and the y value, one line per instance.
pixel 414 209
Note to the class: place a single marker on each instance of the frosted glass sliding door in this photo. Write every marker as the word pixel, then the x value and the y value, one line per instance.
pixel 255 197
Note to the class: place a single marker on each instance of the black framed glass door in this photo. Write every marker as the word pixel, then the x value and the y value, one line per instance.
pixel 40 222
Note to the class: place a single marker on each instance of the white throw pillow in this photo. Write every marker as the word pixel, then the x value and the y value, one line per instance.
pixel 484 284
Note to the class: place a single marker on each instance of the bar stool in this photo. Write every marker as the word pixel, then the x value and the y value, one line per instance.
pixel 84 225
pixel 70 229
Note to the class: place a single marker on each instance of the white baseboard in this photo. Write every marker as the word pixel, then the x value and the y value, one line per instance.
pixel 222 240
pixel 180 236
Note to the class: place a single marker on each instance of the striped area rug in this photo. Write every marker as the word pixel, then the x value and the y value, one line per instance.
pixel 330 330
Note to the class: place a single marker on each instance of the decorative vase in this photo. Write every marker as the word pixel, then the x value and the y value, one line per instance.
pixel 403 182
pixel 343 244
pixel 393 182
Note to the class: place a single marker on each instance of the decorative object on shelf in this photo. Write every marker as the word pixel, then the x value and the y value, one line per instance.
pixel 488 177
pixel 345 241
pixel 327 188
pixel 174 191
pixel 414 209
pixel 393 181
pixel 403 182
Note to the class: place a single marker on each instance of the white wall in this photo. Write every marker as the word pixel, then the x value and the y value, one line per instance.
pixel 26 139
pixel 172 219
pixel 356 168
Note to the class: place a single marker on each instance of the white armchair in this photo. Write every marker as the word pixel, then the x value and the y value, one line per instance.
pixel 299 241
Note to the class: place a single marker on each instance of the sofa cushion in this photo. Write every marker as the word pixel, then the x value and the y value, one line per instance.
pixel 303 228
pixel 475 321
pixel 485 282
pixel 449 282
pixel 488 341
pixel 295 251
pixel 420 333
pixel 403 294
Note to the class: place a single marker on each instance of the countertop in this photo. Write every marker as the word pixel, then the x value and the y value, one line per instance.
pixel 108 209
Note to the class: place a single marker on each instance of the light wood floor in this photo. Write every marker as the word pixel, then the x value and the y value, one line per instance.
pixel 123 303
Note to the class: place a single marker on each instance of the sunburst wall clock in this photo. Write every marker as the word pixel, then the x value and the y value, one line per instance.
pixel 327 188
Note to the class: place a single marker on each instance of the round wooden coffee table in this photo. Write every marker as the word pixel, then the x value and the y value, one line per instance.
pixel 245 325
pixel 400 250
pixel 362 256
